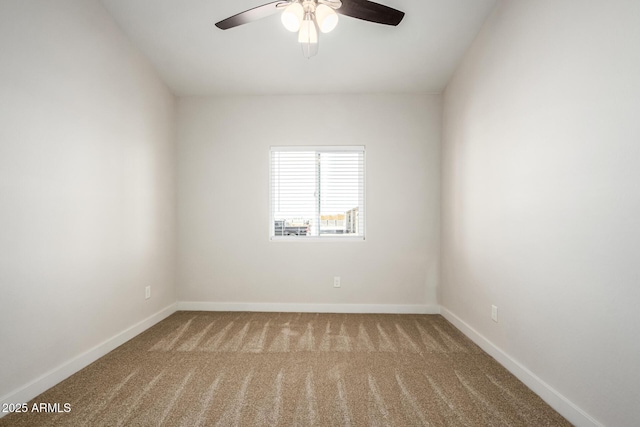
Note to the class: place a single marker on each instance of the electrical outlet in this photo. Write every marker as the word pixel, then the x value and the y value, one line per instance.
pixel 147 292
pixel 494 313
pixel 336 282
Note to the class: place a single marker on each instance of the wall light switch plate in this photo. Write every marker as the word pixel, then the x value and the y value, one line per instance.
pixel 494 313
pixel 147 292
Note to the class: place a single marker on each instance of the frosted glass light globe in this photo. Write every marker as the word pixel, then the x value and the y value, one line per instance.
pixel 327 18
pixel 308 37
pixel 292 17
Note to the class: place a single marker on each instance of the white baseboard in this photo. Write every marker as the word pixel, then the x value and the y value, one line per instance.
pixel 62 372
pixel 557 401
pixel 310 308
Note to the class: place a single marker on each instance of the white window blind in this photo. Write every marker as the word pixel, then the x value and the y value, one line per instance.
pixel 317 192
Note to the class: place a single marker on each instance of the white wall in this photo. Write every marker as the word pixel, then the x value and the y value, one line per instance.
pixel 87 188
pixel 225 255
pixel 541 199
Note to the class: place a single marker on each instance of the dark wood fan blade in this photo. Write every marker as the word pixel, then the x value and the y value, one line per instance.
pixel 370 11
pixel 251 15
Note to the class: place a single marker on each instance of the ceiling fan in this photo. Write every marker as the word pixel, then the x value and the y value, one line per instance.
pixel 307 17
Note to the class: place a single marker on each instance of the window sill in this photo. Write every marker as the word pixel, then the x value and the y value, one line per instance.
pixel 316 239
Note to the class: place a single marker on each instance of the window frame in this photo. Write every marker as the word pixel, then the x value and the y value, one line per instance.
pixel 317 148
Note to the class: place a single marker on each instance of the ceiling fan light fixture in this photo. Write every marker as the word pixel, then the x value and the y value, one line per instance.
pixel 292 17
pixel 308 17
pixel 326 17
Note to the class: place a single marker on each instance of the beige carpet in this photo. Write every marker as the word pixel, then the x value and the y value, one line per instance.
pixel 252 369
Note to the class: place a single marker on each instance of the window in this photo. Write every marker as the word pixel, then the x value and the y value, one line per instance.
pixel 317 192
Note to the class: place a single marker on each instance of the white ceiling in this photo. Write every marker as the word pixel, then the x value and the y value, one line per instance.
pixel 196 58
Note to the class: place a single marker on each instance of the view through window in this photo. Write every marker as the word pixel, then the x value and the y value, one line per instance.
pixel 317 192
